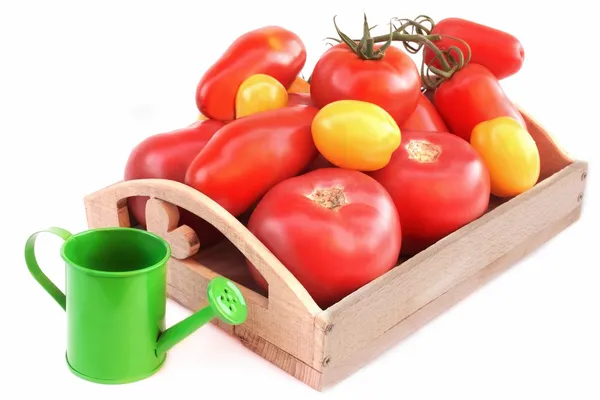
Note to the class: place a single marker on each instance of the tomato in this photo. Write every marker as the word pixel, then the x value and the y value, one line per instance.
pixel 355 135
pixel 335 230
pixel 251 154
pixel 392 82
pixel 439 183
pixel 201 117
pixel 270 50
pixel 472 95
pixel 425 118
pixel 498 51
pixel 167 156
pixel 299 86
pixel 300 98
pixel 259 93
pixel 510 153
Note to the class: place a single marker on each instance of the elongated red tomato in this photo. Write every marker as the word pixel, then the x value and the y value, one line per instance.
pixel 472 95
pixel 251 154
pixel 391 82
pixel 499 51
pixel 425 118
pixel 439 183
pixel 334 229
pixel 271 50
pixel 167 156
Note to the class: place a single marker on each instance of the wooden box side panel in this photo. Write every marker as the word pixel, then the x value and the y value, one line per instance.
pixel 339 371
pixel 362 317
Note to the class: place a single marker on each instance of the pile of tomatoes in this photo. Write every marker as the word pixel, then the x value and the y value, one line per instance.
pixel 369 159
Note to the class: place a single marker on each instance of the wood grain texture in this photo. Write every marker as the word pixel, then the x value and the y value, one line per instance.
pixel 321 347
pixel 335 372
pixel 278 357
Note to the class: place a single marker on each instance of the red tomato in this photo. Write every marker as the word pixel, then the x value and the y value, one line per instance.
pixel 300 98
pixel 167 156
pixel 251 154
pixel 392 82
pixel 438 182
pixel 425 118
pixel 500 52
pixel 472 95
pixel 334 229
pixel 270 50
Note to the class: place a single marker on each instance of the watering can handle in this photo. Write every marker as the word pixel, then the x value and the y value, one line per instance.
pixel 37 272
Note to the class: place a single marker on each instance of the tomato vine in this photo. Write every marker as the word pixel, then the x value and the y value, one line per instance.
pixel 413 34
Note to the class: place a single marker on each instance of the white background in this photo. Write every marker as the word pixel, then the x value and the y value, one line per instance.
pixel 82 82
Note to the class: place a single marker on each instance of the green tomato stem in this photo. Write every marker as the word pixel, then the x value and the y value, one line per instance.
pixel 364 47
pixel 451 60
pixel 403 37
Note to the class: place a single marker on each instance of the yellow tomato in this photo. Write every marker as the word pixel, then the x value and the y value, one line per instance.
pixel 355 135
pixel 299 86
pixel 510 154
pixel 259 93
pixel 201 117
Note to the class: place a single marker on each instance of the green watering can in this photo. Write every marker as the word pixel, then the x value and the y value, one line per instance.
pixel 116 299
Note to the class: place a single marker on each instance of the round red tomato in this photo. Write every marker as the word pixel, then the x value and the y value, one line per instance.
pixel 334 229
pixel 438 182
pixel 392 82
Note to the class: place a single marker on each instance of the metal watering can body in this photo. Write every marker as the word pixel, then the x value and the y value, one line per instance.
pixel 115 301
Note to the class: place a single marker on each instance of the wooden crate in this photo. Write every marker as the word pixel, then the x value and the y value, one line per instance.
pixel 321 347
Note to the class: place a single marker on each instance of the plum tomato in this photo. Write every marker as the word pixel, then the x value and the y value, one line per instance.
pixel 510 154
pixel 250 155
pixel 259 93
pixel 355 135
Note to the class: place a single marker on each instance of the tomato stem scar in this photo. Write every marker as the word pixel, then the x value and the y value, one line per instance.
pixel 332 198
pixel 423 151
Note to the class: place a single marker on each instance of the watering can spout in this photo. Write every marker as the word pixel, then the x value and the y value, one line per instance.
pixel 225 301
